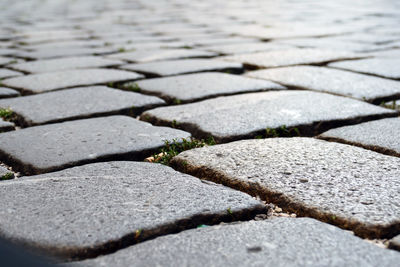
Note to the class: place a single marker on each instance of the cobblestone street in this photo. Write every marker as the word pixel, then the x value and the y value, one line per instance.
pixel 177 133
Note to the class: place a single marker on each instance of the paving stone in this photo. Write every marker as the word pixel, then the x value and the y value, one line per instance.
pixel 290 57
pixel 330 43
pixel 98 208
pixel 394 243
pixel 384 67
pixel 59 64
pixel 248 115
pixel 161 54
pixel 183 66
pixel 245 47
pixel 283 31
pixel 61 145
pixel 5 60
pixel 55 52
pixel 381 135
pixel 42 82
pixel 276 242
pixel 77 103
pixel 395 53
pixel 7 92
pixel 7 51
pixel 348 186
pixel 360 86
pixel 192 87
pixel 6 73
pixel 6 126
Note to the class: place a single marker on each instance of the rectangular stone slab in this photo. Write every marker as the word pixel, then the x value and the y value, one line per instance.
pixel 340 82
pixel 248 115
pixel 58 64
pixel 141 56
pixel 61 145
pixel 290 57
pixel 351 187
pixel 277 242
pixel 380 135
pixel 98 208
pixel 197 86
pixel 43 82
pixel 384 67
pixel 77 103
pixel 183 66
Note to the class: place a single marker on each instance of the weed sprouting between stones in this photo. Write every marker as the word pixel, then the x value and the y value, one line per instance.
pixel 393 105
pixel 282 131
pixel 6 113
pixel 134 87
pixel 171 149
pixel 7 176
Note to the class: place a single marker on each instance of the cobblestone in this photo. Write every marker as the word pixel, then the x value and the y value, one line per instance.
pixel 90 71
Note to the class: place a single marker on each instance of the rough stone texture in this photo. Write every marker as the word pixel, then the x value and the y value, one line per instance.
pixel 161 54
pixel 5 73
pixel 360 86
pixel 77 103
pixel 241 116
pixel 348 186
pixel 289 57
pixel 59 64
pixel 98 208
pixel 7 51
pixel 277 242
pixel 7 92
pixel 57 146
pixel 184 66
pixel 394 243
pixel 381 135
pixel 42 82
pixel 191 87
pixel 6 126
pixel 384 67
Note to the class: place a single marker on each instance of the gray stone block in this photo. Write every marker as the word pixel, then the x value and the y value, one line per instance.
pixel 381 135
pixel 6 73
pixel 384 67
pixel 348 186
pixel 99 208
pixel 43 82
pixel 7 92
pixel 277 242
pixel 192 87
pixel 6 126
pixel 355 85
pixel 183 66
pixel 58 64
pixel 143 55
pixel 290 57
pixel 77 103
pixel 61 145
pixel 248 115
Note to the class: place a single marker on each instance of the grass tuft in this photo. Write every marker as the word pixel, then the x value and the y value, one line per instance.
pixel 171 149
pixel 6 113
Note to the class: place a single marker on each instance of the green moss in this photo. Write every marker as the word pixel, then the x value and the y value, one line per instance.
pixel 282 132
